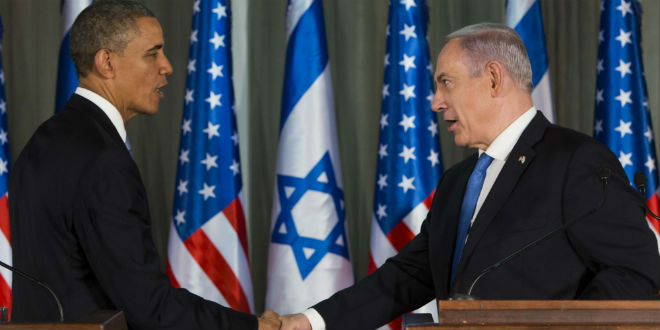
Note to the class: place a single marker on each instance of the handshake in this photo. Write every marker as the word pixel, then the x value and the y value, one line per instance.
pixel 271 320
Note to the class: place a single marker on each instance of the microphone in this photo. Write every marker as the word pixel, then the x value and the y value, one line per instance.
pixel 16 271
pixel 640 182
pixel 604 175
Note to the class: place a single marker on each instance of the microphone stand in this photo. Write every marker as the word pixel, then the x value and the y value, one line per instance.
pixel 14 270
pixel 640 182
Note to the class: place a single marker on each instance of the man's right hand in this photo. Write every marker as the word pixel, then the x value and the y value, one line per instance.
pixel 295 322
pixel 269 320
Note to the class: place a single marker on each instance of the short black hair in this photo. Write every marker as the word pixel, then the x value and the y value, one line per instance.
pixel 105 24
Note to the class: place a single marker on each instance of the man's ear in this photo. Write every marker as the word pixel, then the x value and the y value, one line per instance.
pixel 495 73
pixel 103 63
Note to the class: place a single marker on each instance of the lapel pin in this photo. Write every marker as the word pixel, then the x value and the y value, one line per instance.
pixel 522 159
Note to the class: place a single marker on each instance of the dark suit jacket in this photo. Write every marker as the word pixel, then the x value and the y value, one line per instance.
pixel 609 255
pixel 80 223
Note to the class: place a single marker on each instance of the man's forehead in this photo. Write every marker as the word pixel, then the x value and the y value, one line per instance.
pixel 148 32
pixel 449 55
pixel 147 25
pixel 452 47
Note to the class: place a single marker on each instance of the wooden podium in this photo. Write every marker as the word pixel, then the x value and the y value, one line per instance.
pixel 545 314
pixel 100 320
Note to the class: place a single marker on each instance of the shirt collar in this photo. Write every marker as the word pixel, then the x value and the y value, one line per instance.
pixel 504 143
pixel 107 107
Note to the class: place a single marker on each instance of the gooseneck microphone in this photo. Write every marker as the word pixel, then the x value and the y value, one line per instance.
pixel 16 271
pixel 604 175
pixel 640 182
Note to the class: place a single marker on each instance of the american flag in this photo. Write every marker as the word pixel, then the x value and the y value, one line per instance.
pixel 525 17
pixel 67 80
pixel 308 258
pixel 5 242
pixel 409 157
pixel 208 248
pixel 622 120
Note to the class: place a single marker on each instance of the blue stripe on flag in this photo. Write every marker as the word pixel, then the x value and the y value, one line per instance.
pixel 530 29
pixel 67 80
pixel 307 49
pixel 308 255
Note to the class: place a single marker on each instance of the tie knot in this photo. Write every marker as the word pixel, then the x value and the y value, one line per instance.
pixel 483 162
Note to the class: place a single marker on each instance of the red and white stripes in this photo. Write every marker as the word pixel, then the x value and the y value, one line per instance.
pixel 213 262
pixel 654 205
pixel 5 254
pixel 384 246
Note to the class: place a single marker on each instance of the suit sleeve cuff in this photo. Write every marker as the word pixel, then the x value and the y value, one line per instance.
pixel 315 319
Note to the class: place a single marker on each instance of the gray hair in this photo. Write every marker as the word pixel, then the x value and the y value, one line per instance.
pixel 485 42
pixel 105 24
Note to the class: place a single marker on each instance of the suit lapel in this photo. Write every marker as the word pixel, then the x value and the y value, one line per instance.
pixel 521 156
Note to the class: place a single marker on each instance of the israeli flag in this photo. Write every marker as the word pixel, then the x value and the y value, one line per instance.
pixel 525 17
pixel 67 80
pixel 308 257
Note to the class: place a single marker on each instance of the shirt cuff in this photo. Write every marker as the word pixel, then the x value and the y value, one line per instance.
pixel 315 319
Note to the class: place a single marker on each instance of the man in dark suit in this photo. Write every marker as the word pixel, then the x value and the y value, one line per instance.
pixel 528 178
pixel 78 208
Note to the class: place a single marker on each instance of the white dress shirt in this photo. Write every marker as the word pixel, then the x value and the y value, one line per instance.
pixel 499 149
pixel 108 109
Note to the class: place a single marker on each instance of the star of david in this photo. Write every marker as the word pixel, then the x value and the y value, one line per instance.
pixel 321 178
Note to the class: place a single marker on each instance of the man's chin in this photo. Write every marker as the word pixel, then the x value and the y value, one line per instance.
pixel 460 142
pixel 142 111
pixel 148 111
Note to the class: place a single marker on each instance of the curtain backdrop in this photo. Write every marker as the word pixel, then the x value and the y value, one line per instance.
pixel 356 42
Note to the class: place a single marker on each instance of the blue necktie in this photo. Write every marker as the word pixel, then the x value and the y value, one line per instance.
pixel 467 209
pixel 128 146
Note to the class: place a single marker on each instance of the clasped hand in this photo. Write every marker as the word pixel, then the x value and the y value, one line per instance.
pixel 271 320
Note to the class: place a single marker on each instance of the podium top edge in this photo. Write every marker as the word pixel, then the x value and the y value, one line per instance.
pixel 447 305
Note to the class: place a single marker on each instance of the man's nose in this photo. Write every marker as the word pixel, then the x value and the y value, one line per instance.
pixel 166 69
pixel 438 103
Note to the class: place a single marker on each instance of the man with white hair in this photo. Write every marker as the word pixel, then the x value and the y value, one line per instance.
pixel 528 178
